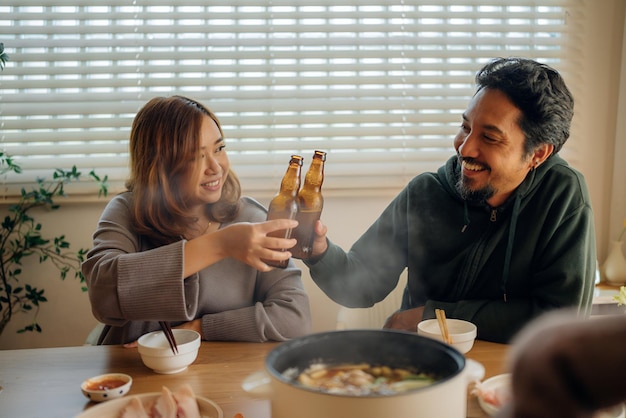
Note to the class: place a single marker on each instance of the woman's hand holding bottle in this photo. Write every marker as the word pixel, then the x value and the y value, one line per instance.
pixel 250 243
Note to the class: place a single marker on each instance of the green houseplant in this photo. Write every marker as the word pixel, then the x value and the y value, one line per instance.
pixel 22 236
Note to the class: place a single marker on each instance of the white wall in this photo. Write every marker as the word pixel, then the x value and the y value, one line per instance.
pixel 617 214
pixel 597 119
pixel 66 317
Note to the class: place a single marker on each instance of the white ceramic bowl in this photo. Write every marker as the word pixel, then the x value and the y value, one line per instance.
pixel 208 408
pixel 106 386
pixel 493 392
pixel 463 333
pixel 156 353
pixel 618 411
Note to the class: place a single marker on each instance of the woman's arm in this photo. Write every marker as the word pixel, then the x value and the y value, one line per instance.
pixel 244 241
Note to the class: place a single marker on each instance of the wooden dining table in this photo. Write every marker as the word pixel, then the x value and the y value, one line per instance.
pixel 45 382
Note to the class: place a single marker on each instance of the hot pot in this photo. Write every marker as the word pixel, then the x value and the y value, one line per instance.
pixel 447 397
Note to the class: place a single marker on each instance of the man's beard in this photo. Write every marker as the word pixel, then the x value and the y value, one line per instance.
pixel 473 195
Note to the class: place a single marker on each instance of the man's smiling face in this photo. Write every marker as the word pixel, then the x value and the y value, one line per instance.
pixel 490 146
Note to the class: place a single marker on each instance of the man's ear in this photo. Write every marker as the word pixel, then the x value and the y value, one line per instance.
pixel 541 154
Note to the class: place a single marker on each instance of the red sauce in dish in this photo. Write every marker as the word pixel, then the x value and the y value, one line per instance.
pixel 106 384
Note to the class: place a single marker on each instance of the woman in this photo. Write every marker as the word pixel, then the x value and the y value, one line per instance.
pixel 181 245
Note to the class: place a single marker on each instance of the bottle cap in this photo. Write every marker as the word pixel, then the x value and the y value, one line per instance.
pixel 320 154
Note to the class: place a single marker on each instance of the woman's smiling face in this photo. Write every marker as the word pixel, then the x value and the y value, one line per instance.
pixel 490 146
pixel 211 167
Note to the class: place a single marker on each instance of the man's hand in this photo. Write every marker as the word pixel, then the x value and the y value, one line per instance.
pixel 405 320
pixel 320 245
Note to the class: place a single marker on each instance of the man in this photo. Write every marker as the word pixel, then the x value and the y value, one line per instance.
pixel 498 235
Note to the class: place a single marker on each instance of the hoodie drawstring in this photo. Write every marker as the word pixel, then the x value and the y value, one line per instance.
pixel 509 245
pixel 466 217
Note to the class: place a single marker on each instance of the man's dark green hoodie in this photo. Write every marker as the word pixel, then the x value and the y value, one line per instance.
pixel 498 267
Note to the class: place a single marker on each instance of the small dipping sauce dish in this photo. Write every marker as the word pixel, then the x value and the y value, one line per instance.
pixel 106 386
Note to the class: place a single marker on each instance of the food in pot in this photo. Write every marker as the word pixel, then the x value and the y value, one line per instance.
pixel 362 379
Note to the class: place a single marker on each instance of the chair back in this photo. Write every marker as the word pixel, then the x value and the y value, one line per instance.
pixel 375 316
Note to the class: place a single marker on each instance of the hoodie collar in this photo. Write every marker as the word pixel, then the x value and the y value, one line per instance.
pixel 452 171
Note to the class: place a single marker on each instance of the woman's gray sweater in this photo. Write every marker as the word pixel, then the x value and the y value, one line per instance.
pixel 132 286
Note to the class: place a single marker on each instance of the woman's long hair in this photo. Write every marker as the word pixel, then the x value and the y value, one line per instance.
pixel 164 143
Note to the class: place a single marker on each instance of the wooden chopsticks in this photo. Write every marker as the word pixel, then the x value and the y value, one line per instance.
pixel 443 325
pixel 167 330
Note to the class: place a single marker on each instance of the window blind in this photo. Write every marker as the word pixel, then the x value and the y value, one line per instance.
pixel 379 85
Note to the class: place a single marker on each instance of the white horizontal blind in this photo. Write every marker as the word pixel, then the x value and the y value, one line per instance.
pixel 379 85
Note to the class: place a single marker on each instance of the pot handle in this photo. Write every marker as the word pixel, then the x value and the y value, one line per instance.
pixel 475 371
pixel 258 384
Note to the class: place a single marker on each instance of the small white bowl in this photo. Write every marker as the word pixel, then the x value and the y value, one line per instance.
pixel 156 353
pixel 493 392
pixel 106 386
pixel 463 333
pixel 618 411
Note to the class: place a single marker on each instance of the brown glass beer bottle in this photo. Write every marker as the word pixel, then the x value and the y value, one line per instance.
pixel 285 204
pixel 310 205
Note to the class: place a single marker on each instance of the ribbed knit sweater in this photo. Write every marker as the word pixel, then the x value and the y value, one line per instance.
pixel 132 286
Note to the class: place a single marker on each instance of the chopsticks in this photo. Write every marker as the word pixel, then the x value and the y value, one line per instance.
pixel 167 330
pixel 443 325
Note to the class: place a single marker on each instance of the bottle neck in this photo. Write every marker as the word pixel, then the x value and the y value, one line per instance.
pixel 291 181
pixel 315 176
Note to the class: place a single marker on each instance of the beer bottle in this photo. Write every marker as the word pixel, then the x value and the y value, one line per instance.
pixel 284 205
pixel 310 205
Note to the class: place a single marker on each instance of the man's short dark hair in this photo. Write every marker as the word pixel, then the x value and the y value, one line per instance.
pixel 539 92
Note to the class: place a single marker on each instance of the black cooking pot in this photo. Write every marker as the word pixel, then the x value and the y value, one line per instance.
pixel 447 397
